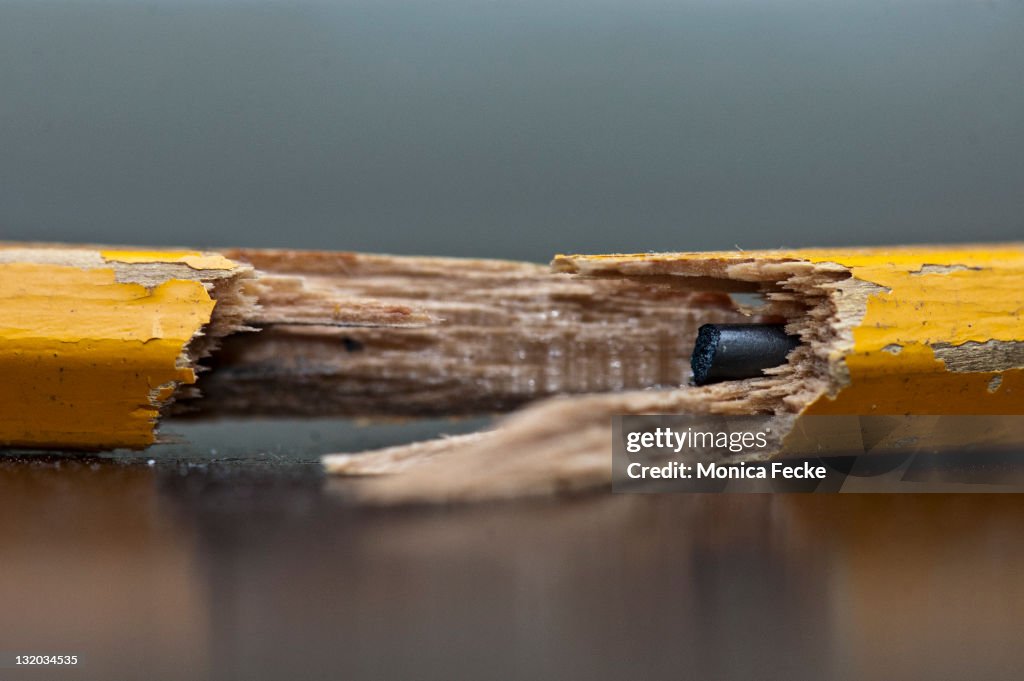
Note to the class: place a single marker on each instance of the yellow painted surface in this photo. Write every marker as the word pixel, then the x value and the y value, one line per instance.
pixel 86 362
pixel 931 296
pixel 934 296
pixel 194 259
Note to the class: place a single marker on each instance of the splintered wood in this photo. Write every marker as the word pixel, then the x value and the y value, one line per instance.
pixel 447 337
pixel 563 443
pixel 883 331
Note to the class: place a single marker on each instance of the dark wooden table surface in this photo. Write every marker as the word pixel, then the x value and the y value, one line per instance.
pixel 247 564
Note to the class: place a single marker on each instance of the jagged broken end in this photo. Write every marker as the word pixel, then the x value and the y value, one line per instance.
pixel 563 444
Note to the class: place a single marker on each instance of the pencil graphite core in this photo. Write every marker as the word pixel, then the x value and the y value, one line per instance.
pixel 725 352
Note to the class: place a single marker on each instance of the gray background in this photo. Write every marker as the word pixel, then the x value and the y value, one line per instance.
pixel 512 129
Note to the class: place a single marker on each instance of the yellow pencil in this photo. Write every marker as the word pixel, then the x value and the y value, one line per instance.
pixel 96 344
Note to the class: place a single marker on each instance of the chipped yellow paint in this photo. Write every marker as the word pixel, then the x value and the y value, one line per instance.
pixel 194 259
pixel 929 296
pixel 87 362
pixel 932 296
pixel 915 382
